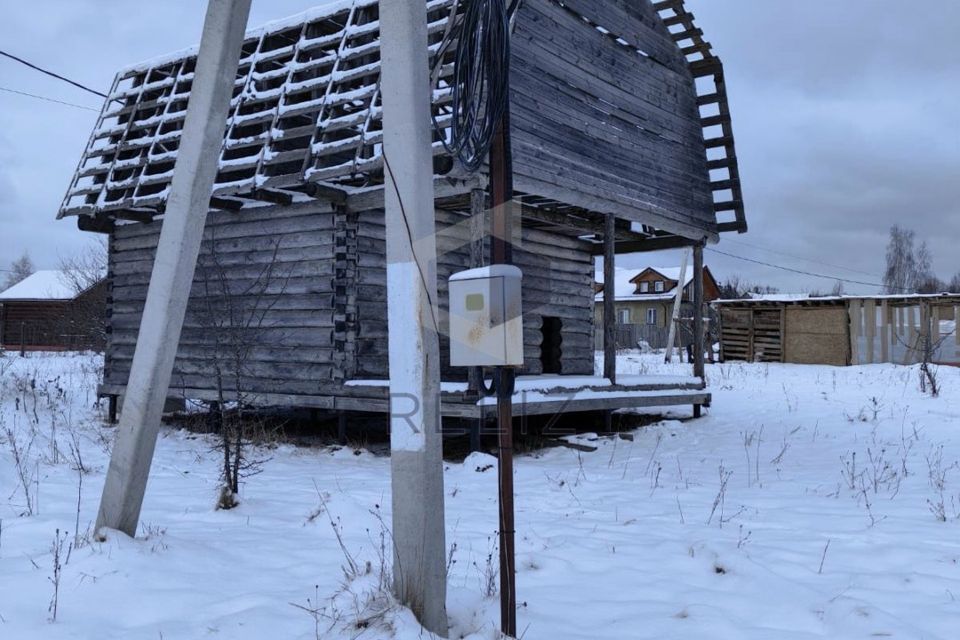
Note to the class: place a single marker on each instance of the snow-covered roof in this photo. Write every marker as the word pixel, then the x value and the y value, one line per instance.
pixel 41 285
pixel 625 290
pixel 306 109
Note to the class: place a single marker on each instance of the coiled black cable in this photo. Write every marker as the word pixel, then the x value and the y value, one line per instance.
pixel 480 83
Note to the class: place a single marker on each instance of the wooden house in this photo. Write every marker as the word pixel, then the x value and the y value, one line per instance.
pixel 46 312
pixel 840 330
pixel 619 112
pixel 646 296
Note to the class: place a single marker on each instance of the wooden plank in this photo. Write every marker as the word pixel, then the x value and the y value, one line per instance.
pixel 885 333
pixel 870 326
pixel 855 329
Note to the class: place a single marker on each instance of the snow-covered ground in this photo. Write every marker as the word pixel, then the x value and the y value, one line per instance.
pixel 828 525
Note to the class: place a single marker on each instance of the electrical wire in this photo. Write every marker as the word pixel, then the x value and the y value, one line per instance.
pixel 52 74
pixel 796 257
pixel 33 95
pixel 480 41
pixel 805 273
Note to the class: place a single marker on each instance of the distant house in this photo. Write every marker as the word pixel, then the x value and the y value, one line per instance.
pixel 646 296
pixel 45 311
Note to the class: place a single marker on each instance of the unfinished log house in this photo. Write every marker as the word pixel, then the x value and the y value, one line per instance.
pixel 619 113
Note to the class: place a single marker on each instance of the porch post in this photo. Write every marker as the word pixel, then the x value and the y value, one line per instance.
pixel 698 346
pixel 609 297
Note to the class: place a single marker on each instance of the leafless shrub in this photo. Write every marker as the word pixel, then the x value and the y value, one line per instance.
pixel 937 477
pixel 21 449
pixel 233 314
pixel 719 501
pixel 56 550
pixel 824 556
pixel 753 469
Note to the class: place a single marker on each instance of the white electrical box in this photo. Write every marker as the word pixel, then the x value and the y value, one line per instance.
pixel 486 317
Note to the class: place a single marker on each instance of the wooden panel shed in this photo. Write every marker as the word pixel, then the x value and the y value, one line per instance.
pixel 840 330
pixel 607 121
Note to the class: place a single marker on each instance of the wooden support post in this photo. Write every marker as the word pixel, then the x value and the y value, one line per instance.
pixel 913 344
pixel 870 327
pixel 697 411
pixel 416 438
pixel 173 268
pixel 672 331
pixel 23 341
pixel 112 408
pixel 342 428
pixel 884 331
pixel 698 365
pixel 476 428
pixel 609 298
pixel 956 326
pixel 934 324
pixel 855 322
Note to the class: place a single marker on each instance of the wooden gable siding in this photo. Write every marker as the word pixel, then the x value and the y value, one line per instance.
pixel 599 125
pixel 327 316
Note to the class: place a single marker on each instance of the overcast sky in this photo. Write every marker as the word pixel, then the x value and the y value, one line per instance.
pixel 845 116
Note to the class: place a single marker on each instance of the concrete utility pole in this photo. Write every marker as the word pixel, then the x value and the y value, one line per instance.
pixel 416 442
pixel 173 268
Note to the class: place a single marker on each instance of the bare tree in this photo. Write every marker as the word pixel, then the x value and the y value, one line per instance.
pixel 233 315
pixel 954 286
pixel 84 273
pixel 924 280
pixel 901 261
pixel 21 269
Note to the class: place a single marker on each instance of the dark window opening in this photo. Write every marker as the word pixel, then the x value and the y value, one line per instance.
pixel 550 351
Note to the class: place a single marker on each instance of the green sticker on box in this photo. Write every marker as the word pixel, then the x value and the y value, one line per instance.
pixel 475 302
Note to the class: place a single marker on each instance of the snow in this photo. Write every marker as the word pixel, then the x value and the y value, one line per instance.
pixel 615 543
pixel 41 285
pixel 490 271
pixel 626 290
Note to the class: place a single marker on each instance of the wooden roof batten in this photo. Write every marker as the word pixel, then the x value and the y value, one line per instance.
pixel 305 122
pixel 705 64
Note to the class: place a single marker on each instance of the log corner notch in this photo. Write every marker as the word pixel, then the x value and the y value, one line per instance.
pixel 714 114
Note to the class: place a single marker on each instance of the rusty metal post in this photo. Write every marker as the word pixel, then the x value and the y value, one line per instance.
pixel 501 188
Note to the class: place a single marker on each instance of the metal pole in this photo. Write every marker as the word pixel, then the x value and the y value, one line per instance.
pixel 501 187
pixel 416 441
pixel 173 269
pixel 609 298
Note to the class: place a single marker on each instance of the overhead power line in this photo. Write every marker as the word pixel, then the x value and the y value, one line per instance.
pixel 52 74
pixel 801 272
pixel 33 95
pixel 796 257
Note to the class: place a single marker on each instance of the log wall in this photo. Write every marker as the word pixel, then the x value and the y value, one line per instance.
pixel 315 274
